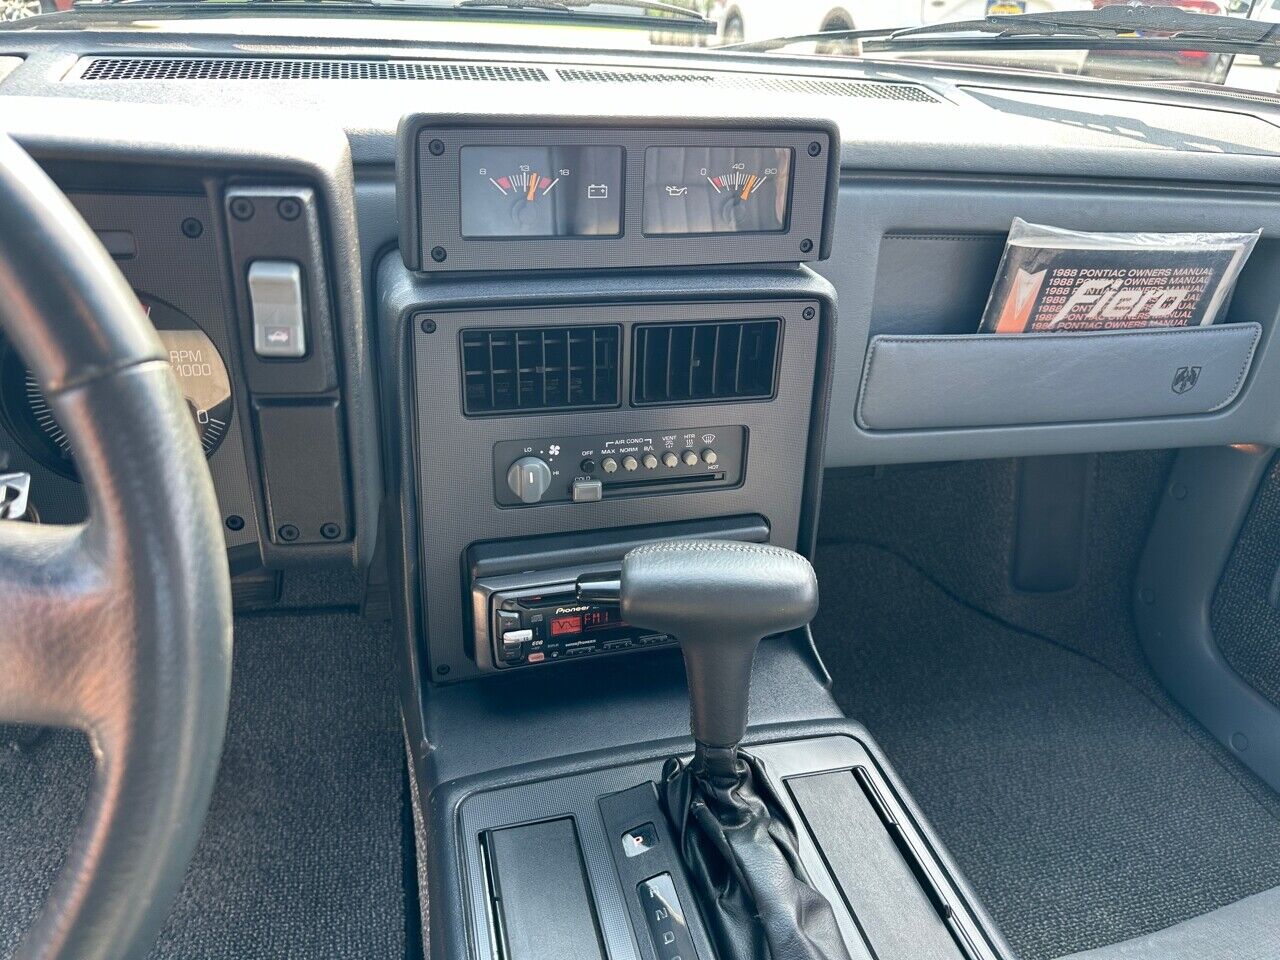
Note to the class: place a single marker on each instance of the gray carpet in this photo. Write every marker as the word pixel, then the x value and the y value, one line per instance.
pixel 303 852
pixel 1079 806
pixel 1245 624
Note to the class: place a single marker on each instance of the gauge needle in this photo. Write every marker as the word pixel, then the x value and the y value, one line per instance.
pixel 751 182
pixel 533 185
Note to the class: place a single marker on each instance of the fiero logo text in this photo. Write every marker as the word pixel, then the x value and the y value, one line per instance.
pixel 1111 300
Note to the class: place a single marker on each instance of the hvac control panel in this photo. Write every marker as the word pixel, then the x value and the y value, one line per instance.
pixel 596 467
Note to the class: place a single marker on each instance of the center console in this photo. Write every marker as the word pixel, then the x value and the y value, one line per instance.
pixel 604 340
pixel 603 849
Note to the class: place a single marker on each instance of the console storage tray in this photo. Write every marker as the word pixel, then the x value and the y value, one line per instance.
pixel 1001 380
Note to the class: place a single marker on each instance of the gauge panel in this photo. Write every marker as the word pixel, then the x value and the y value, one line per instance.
pixel 500 194
pixel 541 191
pixel 195 360
pixel 700 190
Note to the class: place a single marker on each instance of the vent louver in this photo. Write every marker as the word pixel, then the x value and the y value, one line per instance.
pixel 300 68
pixel 704 362
pixel 265 68
pixel 531 369
pixel 863 89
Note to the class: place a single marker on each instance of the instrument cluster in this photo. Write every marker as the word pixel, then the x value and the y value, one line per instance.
pixel 195 360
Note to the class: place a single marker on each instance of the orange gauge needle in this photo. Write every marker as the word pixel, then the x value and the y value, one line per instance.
pixel 533 185
pixel 751 182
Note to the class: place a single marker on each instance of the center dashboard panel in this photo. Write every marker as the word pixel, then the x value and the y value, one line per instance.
pixel 576 400
pixel 519 195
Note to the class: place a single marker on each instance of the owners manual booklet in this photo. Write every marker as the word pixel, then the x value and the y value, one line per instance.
pixel 1054 280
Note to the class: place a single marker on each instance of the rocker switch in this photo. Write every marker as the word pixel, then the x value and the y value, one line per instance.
pixel 275 295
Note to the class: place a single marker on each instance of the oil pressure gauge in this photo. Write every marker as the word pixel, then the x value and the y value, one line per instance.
pixel 195 360
pixel 707 190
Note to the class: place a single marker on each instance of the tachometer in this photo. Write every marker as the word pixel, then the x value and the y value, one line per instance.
pixel 195 360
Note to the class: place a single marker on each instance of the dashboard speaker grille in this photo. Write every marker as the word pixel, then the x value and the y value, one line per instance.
pixel 704 362
pixel 264 68
pixel 531 369
pixel 864 89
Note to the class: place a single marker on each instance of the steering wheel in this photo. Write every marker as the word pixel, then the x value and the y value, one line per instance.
pixel 120 626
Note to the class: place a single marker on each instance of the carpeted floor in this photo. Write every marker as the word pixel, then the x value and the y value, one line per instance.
pixel 1245 622
pixel 1078 803
pixel 303 852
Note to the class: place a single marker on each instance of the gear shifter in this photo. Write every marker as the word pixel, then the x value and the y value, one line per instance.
pixel 719 599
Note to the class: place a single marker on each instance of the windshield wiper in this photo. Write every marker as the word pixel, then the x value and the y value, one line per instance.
pixel 579 12
pixel 1115 26
pixel 649 6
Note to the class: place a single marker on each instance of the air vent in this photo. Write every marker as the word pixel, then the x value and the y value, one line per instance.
pixel 529 369
pixel 818 86
pixel 704 362
pixel 262 68
pixel 575 75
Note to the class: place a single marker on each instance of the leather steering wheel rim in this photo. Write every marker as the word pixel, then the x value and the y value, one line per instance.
pixel 120 626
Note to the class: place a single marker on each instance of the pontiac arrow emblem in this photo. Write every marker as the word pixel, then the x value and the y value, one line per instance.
pixel 1185 378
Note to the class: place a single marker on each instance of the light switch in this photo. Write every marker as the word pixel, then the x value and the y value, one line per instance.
pixel 275 295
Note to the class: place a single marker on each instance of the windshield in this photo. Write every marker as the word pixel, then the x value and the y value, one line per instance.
pixel 1229 43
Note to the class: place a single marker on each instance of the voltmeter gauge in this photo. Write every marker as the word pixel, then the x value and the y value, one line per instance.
pixel 541 191
pixel 195 360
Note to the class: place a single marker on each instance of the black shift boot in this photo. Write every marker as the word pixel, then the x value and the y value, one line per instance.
pixel 739 846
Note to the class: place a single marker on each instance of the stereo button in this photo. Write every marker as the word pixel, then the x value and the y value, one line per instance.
pixel 512 642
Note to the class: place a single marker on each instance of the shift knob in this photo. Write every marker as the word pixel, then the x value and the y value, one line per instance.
pixel 719 599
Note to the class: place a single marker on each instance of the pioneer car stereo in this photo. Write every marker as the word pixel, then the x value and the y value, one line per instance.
pixel 534 618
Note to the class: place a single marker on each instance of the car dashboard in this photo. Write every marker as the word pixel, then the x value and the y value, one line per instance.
pixel 466 324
